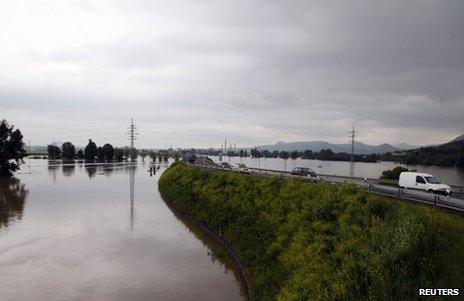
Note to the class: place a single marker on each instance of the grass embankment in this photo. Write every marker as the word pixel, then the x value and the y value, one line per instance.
pixel 315 241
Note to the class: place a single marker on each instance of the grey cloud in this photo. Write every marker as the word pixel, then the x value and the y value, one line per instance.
pixel 285 70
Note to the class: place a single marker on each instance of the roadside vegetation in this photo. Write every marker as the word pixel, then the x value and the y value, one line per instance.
pixel 394 174
pixel 315 241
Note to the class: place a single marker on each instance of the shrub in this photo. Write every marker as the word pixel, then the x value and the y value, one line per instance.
pixel 394 174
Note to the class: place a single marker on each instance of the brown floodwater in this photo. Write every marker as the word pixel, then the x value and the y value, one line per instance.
pixel 103 232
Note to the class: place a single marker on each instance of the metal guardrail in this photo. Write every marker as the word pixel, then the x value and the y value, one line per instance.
pixel 419 196
pixel 457 189
pixel 372 185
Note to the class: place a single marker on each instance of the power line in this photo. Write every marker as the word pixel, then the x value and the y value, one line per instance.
pixel 353 133
pixel 132 137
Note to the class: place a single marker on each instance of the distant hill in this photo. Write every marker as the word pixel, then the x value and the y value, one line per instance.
pixel 460 138
pixel 448 154
pixel 405 146
pixel 359 147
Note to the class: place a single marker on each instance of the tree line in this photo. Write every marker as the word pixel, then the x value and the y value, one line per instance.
pixel 107 153
pixel 324 154
pixel 449 154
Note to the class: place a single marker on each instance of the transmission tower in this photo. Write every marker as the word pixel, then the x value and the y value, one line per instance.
pixel 353 134
pixel 131 195
pixel 132 137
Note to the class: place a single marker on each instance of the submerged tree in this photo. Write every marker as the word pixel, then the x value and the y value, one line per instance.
pixel 68 151
pixel 108 151
pixel 12 149
pixel 80 154
pixel 100 154
pixel 143 154
pixel 54 152
pixel 119 154
pixel 90 151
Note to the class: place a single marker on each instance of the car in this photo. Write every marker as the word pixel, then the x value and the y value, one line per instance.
pixel 224 166
pixel 243 168
pixel 303 171
pixel 423 181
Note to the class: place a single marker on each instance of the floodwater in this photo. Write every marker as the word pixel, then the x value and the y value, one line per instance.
pixel 103 232
pixel 448 175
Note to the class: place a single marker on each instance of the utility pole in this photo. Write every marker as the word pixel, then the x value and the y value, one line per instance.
pixel 353 133
pixel 132 137
pixel 131 196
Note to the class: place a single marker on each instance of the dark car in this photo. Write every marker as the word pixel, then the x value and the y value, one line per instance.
pixel 224 166
pixel 303 171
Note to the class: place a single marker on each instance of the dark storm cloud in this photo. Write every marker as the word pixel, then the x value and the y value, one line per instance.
pixel 254 71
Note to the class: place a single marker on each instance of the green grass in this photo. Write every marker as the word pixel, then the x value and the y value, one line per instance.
pixel 316 241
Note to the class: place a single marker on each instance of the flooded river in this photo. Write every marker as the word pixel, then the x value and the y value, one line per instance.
pixel 76 232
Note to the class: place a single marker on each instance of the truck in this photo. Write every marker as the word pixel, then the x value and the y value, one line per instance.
pixel 423 181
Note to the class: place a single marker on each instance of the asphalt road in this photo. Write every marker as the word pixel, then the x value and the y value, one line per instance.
pixel 449 202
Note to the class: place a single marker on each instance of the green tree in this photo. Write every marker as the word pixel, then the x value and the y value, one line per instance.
pixel 152 155
pixel 143 154
pixel 12 149
pixel 108 151
pixel 134 153
pixel 100 153
pixel 393 174
pixel 68 151
pixel 283 155
pixel 326 154
pixel 119 154
pixel 308 154
pixel 90 151
pixel 294 155
pixel 80 154
pixel 54 152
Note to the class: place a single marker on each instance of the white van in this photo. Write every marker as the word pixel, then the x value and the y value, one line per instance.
pixel 423 181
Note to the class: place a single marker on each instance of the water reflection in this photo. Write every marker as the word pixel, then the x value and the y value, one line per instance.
pixel 78 228
pixel 90 170
pixel 131 195
pixel 13 195
pixel 52 168
pixel 68 169
pixel 215 250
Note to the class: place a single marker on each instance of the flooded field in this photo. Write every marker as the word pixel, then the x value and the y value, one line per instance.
pixel 102 232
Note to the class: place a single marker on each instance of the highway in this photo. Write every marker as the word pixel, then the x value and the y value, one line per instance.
pixel 376 186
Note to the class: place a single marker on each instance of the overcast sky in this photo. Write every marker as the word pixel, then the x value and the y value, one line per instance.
pixel 192 73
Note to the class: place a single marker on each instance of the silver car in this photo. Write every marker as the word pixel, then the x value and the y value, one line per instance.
pixel 243 168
